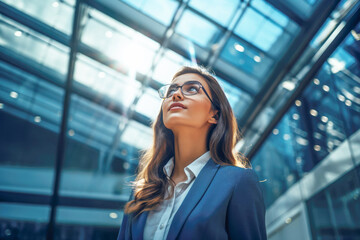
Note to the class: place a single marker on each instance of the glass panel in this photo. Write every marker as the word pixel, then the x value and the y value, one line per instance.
pixel 57 14
pixel 30 115
pixel 92 132
pixel 279 168
pixel 168 65
pixel 318 127
pixel 137 135
pixel 270 12
pixel 220 11
pixel 198 29
pixel 128 49
pixel 149 104
pixel 106 81
pixel 238 99
pixel 21 221
pixel 256 29
pixel 334 212
pixel 162 11
pixel 32 45
pixel 247 58
pixel 344 71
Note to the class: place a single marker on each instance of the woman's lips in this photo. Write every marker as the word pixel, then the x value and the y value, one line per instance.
pixel 176 106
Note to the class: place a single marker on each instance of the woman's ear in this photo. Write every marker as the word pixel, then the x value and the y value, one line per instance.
pixel 214 118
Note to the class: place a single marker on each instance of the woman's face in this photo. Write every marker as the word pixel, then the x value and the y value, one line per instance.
pixel 191 111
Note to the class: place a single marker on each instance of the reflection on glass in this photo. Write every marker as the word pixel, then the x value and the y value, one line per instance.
pixel 57 14
pixel 106 81
pixel 89 157
pixel 168 65
pixel 320 125
pixel 128 49
pixel 30 116
pixel 32 45
pixel 334 213
pixel 247 58
pixel 256 29
pixel 198 29
pixel 238 99
pixel 222 12
pixel 154 8
pixel 19 221
pixel 149 104
pixel 278 168
pixel 137 135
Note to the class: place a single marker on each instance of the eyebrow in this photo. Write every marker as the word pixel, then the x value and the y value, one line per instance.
pixel 190 81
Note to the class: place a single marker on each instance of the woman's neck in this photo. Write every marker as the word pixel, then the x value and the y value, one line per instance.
pixel 189 144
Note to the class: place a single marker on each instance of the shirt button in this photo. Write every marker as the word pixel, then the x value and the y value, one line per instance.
pixel 161 226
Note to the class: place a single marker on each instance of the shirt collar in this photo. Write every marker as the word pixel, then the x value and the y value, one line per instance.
pixel 191 170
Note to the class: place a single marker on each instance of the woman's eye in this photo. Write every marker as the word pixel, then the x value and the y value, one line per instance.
pixel 192 89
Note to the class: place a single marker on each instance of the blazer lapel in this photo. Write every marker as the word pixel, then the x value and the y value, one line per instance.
pixel 194 195
pixel 137 226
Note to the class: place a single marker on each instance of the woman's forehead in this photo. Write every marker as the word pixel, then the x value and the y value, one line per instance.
pixel 179 80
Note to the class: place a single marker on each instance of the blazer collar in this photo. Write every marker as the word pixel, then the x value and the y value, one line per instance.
pixel 194 195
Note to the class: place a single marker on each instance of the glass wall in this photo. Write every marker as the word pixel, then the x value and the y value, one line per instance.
pixel 316 142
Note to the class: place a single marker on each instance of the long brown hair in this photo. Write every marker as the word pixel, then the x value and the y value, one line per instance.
pixel 151 182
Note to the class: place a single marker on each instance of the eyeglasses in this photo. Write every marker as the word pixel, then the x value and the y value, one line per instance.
pixel 188 88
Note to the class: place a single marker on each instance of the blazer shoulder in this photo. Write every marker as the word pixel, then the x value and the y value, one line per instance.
pixel 239 174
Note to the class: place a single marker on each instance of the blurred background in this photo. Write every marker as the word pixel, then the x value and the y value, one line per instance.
pixel 78 93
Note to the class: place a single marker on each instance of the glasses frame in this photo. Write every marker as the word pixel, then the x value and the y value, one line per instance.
pixel 178 86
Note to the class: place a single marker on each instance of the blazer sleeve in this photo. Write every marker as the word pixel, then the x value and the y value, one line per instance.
pixel 124 232
pixel 124 226
pixel 246 210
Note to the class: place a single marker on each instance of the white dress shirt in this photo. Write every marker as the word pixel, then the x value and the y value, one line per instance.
pixel 159 220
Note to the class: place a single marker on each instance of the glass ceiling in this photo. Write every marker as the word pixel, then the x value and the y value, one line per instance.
pixel 126 64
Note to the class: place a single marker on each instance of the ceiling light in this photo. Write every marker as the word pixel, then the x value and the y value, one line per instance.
pixel 326 88
pixel 113 215
pixel 18 33
pixel 55 4
pixel 295 116
pixel 109 34
pixel 101 74
pixel 257 59
pixel 317 148
pixel 298 103
pixel 316 81
pixel 37 119
pixel 286 136
pixel 126 165
pixel 341 97
pixel 348 103
pixel 14 94
pixel 336 65
pixel 288 85
pixel 1 105
pixel 324 119
pixel 275 131
pixel 239 48
pixel 313 112
pixel 71 132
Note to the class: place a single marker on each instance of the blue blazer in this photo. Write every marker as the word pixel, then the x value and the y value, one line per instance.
pixel 225 202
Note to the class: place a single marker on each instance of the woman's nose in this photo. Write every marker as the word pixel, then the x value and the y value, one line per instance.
pixel 177 94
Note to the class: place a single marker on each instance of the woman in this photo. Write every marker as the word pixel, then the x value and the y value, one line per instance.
pixel 191 183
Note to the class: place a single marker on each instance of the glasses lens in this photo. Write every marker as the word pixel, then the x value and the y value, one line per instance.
pixel 191 88
pixel 162 91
